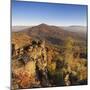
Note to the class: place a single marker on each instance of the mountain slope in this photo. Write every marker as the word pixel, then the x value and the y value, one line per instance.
pixel 53 34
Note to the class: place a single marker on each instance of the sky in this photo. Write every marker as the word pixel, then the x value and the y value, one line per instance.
pixel 34 13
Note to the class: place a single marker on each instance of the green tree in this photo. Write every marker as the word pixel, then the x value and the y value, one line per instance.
pixel 68 53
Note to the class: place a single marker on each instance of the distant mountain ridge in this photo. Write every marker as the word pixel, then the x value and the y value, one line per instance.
pixel 82 29
pixel 54 34
pixel 73 28
pixel 19 28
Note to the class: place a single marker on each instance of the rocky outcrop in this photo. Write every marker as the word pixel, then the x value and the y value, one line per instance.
pixel 30 61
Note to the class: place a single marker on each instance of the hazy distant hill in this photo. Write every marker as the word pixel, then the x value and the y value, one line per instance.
pixel 81 29
pixel 19 28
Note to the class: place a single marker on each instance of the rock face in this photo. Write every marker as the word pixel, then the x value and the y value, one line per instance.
pixel 29 64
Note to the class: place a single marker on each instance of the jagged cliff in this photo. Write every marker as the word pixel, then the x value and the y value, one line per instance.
pixel 28 63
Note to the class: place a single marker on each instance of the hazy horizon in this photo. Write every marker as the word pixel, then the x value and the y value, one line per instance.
pixel 49 25
pixel 68 28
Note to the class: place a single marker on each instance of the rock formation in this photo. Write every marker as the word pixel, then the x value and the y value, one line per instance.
pixel 32 61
